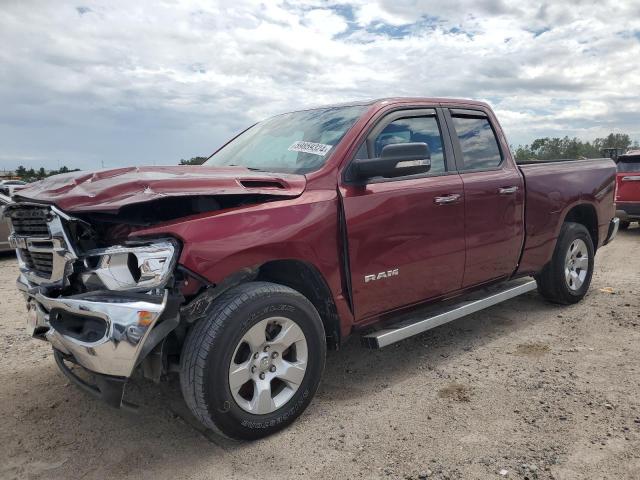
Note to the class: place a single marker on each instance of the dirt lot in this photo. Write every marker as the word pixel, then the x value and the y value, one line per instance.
pixel 536 390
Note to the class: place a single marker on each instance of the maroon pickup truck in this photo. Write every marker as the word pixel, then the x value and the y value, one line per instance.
pixel 382 219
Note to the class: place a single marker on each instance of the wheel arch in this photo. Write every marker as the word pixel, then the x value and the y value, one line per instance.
pixel 585 214
pixel 306 279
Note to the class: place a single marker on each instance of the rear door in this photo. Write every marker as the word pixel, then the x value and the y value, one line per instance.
pixel 405 235
pixel 494 198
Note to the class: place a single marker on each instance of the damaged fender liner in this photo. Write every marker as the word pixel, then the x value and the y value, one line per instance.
pixel 107 388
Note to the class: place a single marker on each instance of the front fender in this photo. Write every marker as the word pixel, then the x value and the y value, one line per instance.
pixel 305 228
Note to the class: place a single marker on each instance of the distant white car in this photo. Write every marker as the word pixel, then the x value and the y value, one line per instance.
pixel 8 187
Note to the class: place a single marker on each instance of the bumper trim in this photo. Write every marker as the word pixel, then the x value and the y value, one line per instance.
pixel 613 230
pixel 628 211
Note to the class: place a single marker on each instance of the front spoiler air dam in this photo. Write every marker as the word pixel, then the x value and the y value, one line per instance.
pixel 124 323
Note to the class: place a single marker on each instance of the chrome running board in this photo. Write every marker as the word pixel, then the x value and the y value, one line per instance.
pixel 479 301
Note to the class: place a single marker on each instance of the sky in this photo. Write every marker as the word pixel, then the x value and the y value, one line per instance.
pixel 91 84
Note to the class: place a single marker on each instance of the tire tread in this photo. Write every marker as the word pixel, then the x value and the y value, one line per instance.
pixel 203 334
pixel 551 284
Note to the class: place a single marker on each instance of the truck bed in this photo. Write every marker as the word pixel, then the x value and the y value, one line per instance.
pixel 553 188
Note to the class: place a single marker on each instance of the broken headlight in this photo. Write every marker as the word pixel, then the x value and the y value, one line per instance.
pixel 123 267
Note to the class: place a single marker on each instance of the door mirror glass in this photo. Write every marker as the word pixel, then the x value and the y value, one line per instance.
pixel 396 160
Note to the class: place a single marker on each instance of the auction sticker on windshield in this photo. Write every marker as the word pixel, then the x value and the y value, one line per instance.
pixel 310 147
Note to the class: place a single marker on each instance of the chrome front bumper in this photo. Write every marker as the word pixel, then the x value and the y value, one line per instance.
pixel 106 332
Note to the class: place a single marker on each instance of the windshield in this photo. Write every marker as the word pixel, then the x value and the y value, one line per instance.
pixel 297 142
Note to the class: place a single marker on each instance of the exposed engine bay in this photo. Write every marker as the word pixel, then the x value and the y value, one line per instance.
pixel 95 230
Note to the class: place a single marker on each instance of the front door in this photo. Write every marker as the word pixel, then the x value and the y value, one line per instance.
pixel 405 235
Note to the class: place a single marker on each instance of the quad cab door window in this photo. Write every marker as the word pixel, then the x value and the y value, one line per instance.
pixel 478 143
pixel 494 199
pixel 404 246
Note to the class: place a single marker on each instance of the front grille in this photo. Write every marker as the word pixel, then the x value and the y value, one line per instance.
pixel 41 263
pixel 40 238
pixel 30 222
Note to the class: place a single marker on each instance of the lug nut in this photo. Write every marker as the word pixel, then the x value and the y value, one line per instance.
pixel 253 369
pixel 255 355
pixel 272 368
pixel 262 376
pixel 274 354
pixel 266 348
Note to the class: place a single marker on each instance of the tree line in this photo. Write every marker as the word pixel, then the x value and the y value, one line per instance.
pixel 31 175
pixel 556 148
pixel 547 148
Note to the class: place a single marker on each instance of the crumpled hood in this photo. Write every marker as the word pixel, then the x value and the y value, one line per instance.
pixel 109 190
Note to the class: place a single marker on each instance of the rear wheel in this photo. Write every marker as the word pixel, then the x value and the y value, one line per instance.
pixel 624 225
pixel 252 367
pixel 567 277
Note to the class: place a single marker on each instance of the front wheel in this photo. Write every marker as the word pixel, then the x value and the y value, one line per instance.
pixel 253 365
pixel 567 277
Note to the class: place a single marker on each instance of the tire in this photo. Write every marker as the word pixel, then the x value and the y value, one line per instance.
pixel 566 278
pixel 219 348
pixel 624 224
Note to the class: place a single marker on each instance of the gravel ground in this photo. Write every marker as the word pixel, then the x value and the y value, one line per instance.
pixel 522 390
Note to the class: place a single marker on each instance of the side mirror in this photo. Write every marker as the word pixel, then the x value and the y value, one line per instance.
pixel 396 160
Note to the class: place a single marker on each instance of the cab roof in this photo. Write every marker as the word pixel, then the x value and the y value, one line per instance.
pixel 404 100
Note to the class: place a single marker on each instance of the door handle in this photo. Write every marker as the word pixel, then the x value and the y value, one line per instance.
pixel 507 190
pixel 447 199
pixel 631 178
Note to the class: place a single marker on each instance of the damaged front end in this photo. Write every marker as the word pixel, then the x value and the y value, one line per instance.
pixel 102 307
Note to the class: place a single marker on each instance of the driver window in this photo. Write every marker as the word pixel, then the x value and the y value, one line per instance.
pixel 414 129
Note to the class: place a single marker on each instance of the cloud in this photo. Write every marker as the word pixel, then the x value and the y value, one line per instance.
pixel 151 82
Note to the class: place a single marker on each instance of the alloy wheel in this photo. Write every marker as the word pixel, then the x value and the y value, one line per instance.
pixel 268 365
pixel 576 265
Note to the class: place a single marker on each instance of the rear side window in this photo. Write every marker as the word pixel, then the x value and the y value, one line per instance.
pixel 478 143
pixel 410 130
